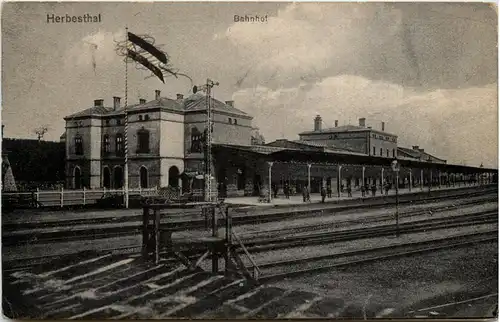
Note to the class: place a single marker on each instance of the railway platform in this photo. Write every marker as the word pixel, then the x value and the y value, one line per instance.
pixel 356 195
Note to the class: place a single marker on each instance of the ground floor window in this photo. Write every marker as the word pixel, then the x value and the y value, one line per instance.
pixel 143 177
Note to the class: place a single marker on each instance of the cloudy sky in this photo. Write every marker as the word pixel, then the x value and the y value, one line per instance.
pixel 428 70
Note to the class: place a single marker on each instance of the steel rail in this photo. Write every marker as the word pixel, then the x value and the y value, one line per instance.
pixel 370 255
pixel 262 245
pixel 12 238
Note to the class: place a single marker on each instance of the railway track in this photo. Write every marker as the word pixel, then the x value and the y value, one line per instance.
pixel 292 268
pixel 364 220
pixel 295 211
pixel 264 244
pixel 260 245
pixel 60 234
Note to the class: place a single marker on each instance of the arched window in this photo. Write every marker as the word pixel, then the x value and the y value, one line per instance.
pixel 106 178
pixel 143 177
pixel 143 141
pixel 393 153
pixel 146 117
pixel 77 178
pixel 196 141
pixel 105 144
pixel 78 145
pixel 173 176
pixel 118 177
pixel 119 144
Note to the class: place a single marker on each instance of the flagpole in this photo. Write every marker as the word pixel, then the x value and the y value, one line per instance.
pixel 126 121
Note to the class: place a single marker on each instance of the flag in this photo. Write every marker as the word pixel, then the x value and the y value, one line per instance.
pixel 147 47
pixel 146 63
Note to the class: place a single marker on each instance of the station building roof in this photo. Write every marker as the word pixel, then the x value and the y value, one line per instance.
pixel 345 129
pixel 283 154
pixel 194 103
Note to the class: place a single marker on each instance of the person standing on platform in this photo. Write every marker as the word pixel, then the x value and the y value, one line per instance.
pixel 286 190
pixel 304 193
pixel 329 191
pixel 362 190
pixel 374 190
pixel 349 191
pixel 323 194
pixel 308 194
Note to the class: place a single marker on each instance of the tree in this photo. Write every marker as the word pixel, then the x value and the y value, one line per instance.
pixel 40 132
pixel 257 138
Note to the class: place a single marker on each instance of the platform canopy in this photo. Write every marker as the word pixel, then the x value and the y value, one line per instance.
pixel 280 154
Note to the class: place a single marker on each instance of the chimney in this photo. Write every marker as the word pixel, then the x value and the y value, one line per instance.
pixel 230 103
pixel 180 96
pixel 142 101
pixel 116 103
pixel 362 122
pixel 317 123
pixel 157 94
pixel 383 126
pixel 336 123
pixel 98 103
pixel 415 147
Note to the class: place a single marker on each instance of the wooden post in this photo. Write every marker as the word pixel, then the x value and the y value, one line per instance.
pixel 145 233
pixel 157 236
pixel 382 181
pixel 270 194
pixel 84 196
pixel 229 233
pixel 62 197
pixel 215 233
pixel 339 179
pixel 410 182
pixel 363 177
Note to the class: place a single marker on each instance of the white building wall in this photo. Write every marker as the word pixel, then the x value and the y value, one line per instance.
pixel 172 135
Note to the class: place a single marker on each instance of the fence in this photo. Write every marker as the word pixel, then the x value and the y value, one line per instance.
pixel 62 197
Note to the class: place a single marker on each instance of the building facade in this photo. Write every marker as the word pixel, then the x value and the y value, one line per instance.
pixel 164 141
pixel 360 139
pixel 165 148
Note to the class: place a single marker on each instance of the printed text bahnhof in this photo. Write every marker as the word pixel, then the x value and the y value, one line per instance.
pixel 247 18
pixel 86 18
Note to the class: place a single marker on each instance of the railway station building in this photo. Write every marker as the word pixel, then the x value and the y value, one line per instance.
pixel 165 148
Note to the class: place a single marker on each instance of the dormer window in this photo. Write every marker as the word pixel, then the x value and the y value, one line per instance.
pixel 146 117
pixel 140 117
pixel 230 121
pixel 236 121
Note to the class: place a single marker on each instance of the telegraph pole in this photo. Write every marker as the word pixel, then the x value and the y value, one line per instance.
pixel 395 168
pixel 208 140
